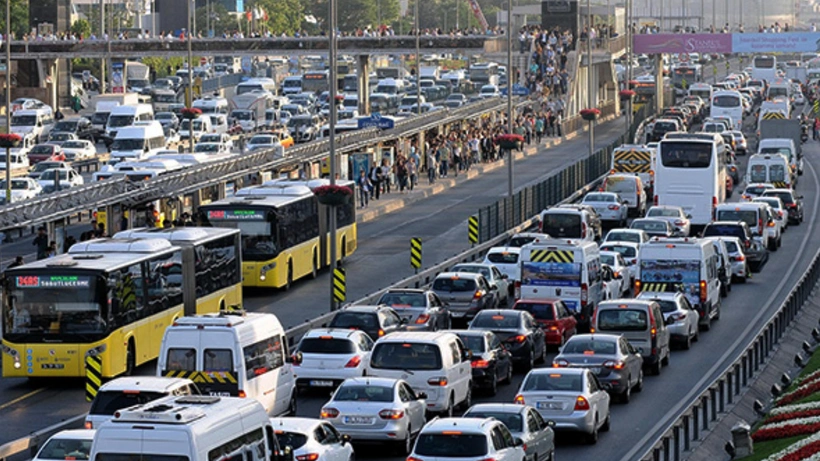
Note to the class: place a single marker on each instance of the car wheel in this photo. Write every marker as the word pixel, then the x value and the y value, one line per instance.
pixel 530 364
pixel 656 368
pixel 772 245
pixel 665 360
pixel 639 384
pixel 607 423
pixel 687 343
pixel 292 407
pixel 724 292
pixel 707 325
pixel 779 241
pixel 509 376
pixel 406 446
pixel 468 399
pixel 717 311
pixel 592 438
pixel 627 393
pixel 448 412
pixel 543 357
pixel 696 335
pixel 493 390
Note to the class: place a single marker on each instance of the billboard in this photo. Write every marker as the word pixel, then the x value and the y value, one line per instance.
pixel 789 42
pixel 682 43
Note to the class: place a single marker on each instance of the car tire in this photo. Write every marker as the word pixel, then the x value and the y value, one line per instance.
pixel 639 384
pixel 450 410
pixel 493 389
pixel 530 363
pixel 687 343
pixel 592 438
pixel 717 311
pixel 607 423
pixel 468 399
pixel 626 395
pixel 772 245
pixel 543 357
pixel 780 241
pixel 508 378
pixel 405 447
pixel 724 291
pixel 655 368
pixel 665 360
pixel 696 336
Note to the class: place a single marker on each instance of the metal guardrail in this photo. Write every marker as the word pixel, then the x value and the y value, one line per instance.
pixel 695 420
pixel 223 81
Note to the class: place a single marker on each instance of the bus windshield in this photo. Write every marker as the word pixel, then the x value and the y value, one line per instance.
pixel 764 62
pixel 258 241
pixel 46 307
pixel 686 155
pixel 726 101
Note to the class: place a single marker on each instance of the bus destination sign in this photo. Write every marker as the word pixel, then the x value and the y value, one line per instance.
pixel 53 281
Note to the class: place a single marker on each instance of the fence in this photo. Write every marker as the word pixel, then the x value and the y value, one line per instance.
pixel 510 212
pixel 714 400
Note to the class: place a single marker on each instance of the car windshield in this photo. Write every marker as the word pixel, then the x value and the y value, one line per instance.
pixel 504 257
pixel 63 449
pixel 16 184
pixel 625 251
pixel 65 125
pixel 23 120
pixel 43 166
pixel 485 271
pixel 589 346
pixel 242 115
pixel 362 320
pixel 747 216
pixel 475 343
pixel 562 224
pixel 519 241
pixel 667 306
pixel 622 320
pixel 453 284
pixel 127 144
pixel 614 236
pixel 207 147
pixel 364 393
pixel 649 226
pixel 107 402
pixel 262 140
pixel 513 421
pixel 116 121
pixel 51 174
pixel 59 136
pixel 663 212
pixel 620 185
pixel 553 381
pixel 755 190
pixel 609 260
pixel 724 229
pixel 404 299
pixel 327 345
pixel 164 116
pixel 731 246
pixel 496 321
pixel 294 440
pixel 541 311
pixel 772 202
pixel 406 356
pixel 451 445
pixel 785 197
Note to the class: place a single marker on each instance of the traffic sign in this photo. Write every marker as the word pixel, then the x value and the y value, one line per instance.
pixel 93 376
pixel 415 252
pixel 339 285
pixel 472 229
pixel 683 57
pixel 377 121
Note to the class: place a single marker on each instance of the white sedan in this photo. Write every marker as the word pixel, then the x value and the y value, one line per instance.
pixel 618 264
pixel 674 215
pixel 609 206
pixel 221 138
pixel 211 148
pixel 78 149
pixel 312 439
pixel 67 178
pixel 70 444
pixel 614 285
pixel 21 189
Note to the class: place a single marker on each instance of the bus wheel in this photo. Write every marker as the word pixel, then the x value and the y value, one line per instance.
pixel 315 271
pixel 290 276
pixel 130 358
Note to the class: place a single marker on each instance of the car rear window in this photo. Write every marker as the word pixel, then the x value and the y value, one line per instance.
pixel 667 306
pixel 622 320
pixel 724 229
pixel 731 246
pixel 625 251
pixel 354 320
pixel 483 270
pixel 541 311
pixel 404 299
pixel 107 402
pixel 454 284
pixel 747 216
pixel 562 224
pixel 364 393
pixel 619 184
pixel 649 226
pixel 496 321
pixel 665 212
pixel 505 257
pixel 518 242
pixel 784 196
pixel 756 190
pixel 62 449
pixel 327 346
pixel 589 347
pixel 475 343
pixel 451 445
pixel 294 440
pixel 406 356
pixel 614 236
pixel 553 382
pixel 513 421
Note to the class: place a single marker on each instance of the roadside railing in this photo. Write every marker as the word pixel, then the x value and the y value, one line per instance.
pixel 709 406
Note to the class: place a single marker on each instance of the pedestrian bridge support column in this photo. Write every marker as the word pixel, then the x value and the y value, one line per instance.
pixel 363 72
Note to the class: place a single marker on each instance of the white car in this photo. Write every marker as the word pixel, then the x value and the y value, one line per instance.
pixel 21 189
pixel 222 138
pixel 682 319
pixel 68 178
pixel 262 141
pixel 72 444
pixel 312 439
pixel 331 355
pixel 467 439
pixel 636 236
pixel 609 206
pixel 211 148
pixel 506 260
pixel 78 149
pixel 674 215
pixel 773 230
pixel 629 250
pixel 779 210
pixel 614 285
pixel 489 91
pixel 799 99
pixel 618 264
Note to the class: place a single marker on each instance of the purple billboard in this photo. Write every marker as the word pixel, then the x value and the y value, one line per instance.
pixel 682 43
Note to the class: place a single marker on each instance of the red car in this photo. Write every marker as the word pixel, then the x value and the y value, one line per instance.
pixel 46 152
pixel 552 314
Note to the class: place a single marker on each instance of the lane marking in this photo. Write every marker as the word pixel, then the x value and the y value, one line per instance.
pixel 21 398
pixel 698 388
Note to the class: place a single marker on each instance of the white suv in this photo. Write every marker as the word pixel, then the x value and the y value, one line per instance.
pixel 134 390
pixel 467 439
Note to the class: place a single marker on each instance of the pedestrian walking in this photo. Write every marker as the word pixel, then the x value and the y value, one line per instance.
pixel 432 165
pixel 365 188
pixel 375 182
pixel 412 172
pixel 41 242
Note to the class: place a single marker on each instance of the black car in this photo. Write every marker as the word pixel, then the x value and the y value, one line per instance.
pixel 756 253
pixel 80 126
pixel 376 321
pixel 793 203
pixel 519 332
pixel 491 362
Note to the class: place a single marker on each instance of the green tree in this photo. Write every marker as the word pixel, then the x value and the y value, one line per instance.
pixel 81 28
pixel 19 18
pixel 221 20
pixel 283 15
pixel 351 14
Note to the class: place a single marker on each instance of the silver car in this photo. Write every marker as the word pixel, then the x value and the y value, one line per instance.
pixel 524 422
pixel 377 410
pixel 737 256
pixel 465 294
pixel 494 278
pixel 674 215
pixel 421 309
pixel 609 206
pixel 681 319
pixel 572 397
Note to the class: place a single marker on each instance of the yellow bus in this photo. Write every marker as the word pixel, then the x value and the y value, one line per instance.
pixel 285 233
pixel 112 298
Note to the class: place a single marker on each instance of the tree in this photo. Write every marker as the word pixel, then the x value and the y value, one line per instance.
pixel 221 20
pixel 19 18
pixel 81 28
pixel 282 15
pixel 351 14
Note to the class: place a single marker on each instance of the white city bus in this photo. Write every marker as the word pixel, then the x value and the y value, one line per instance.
pixel 691 173
pixel 764 68
pixel 727 103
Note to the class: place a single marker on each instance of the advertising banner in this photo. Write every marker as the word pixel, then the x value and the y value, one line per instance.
pixel 551 274
pixel 789 42
pixel 683 43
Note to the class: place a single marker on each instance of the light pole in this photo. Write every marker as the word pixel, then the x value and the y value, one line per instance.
pixel 628 76
pixel 589 77
pixel 332 163
pixel 190 79
pixel 509 98
pixel 8 98
pixel 102 35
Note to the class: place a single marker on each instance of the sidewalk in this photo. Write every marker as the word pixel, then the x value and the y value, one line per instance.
pixel 395 201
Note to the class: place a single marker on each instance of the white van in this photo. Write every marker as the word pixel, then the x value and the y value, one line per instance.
pixel 688 265
pixel 769 168
pixel 138 142
pixel 36 122
pixel 243 355
pixel 292 85
pixel 568 223
pixel 123 116
pixel 133 390
pixel 219 123
pixel 436 363
pixel 569 271
pixel 212 105
pixel 201 125
pixel 190 428
pixel 631 189
pixel 783 146
pixel 756 215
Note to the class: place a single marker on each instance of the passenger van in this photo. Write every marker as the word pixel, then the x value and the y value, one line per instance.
pixel 138 142
pixel 201 125
pixel 568 223
pixel 630 188
pixel 557 269
pixel 133 390
pixel 35 122
pixel 243 355
pixel 436 363
pixel 770 168
pixel 639 321
pixel 292 85
pixel 756 215
pixel 123 116
pixel 687 265
pixel 190 428
pixel 212 105
pixel 783 146
pixel 635 159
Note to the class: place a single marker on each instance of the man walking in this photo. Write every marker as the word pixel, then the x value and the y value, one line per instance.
pixel 41 242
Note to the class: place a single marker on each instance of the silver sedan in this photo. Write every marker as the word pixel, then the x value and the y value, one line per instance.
pixel 609 206
pixel 377 410
pixel 524 422
pixel 674 215
pixel 681 319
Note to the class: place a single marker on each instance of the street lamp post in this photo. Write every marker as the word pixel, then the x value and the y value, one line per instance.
pixel 589 77
pixel 332 163
pixel 509 98
pixel 190 79
pixel 8 98
pixel 628 76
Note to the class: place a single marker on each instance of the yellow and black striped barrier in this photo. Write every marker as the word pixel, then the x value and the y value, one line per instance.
pixel 816 107
pixel 472 229
pixel 339 285
pixel 774 116
pixel 415 252
pixel 552 256
pixel 780 184
pixel 93 376
pixel 204 377
pixel 661 287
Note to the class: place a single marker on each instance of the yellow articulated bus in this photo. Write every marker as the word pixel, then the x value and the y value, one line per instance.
pixel 285 231
pixel 112 298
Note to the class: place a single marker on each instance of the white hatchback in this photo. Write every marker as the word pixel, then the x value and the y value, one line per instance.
pixel 467 439
pixel 331 355
pixel 506 260
pixel 312 439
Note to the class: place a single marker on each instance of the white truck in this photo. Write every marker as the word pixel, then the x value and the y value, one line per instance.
pixel 137 76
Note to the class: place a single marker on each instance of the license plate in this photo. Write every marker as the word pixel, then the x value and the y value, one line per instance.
pixel 52 366
pixel 457 314
pixel 319 383
pixel 358 420
pixel 549 405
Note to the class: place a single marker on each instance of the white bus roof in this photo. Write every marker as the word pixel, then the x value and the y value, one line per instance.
pixel 176 234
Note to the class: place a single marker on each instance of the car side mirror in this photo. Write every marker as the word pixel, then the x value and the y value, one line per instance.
pixel 403 321
pixel 467 356
pixel 668 321
pixel 294 359
pixel 345 439
pixel 548 423
pixel 504 276
pixel 421 395
pixel 519 442
pixel 689 216
pixel 493 286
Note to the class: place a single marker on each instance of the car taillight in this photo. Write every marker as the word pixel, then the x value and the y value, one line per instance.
pixel 391 414
pixel 478 294
pixel 423 318
pixel 413 458
pixel 779 213
pixel 791 205
pixel 581 403
pixel 770 224
pixel 517 291
pixel 584 294
pixel 553 328
pixel 519 399
pixel 614 364
pixel 614 207
pixel 437 381
pixel 739 258
pixel 329 413
pixel 655 200
pixel 637 287
pixel 747 244
pixel 653 332
pixel 381 332
pixel 703 291
pixel 679 223
pixel 677 317
pixel 479 364
pixel 308 457
pixel 88 425
pixel 242 394
pixel 714 206
pixel 560 363
pixel 517 339
pixel 353 362
pixel 760 224
pixel 583 230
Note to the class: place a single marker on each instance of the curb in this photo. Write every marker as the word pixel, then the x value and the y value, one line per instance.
pixel 443 184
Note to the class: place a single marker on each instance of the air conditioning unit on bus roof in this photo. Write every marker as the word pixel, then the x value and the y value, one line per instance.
pixel 120 246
